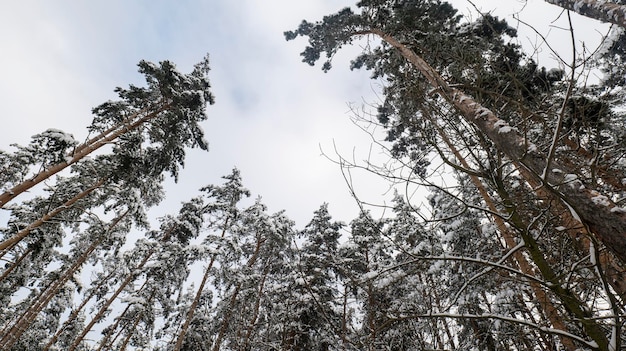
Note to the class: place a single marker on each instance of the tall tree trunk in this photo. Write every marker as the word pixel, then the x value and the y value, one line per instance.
pixel 525 267
pixel 600 10
pixel 604 219
pixel 131 277
pixel 48 216
pixel 130 333
pixel 192 309
pixel 567 297
pixel 15 263
pixel 446 326
pixel 104 343
pixel 255 311
pixel 233 299
pixel 41 301
pixel 615 273
pixel 81 151
pixel 75 313
pixel 46 295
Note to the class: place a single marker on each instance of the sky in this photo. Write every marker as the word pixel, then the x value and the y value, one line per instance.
pixel 274 116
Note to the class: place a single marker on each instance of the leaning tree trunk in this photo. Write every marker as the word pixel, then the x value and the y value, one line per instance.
pixel 42 300
pixel 233 299
pixel 23 322
pixel 74 314
pixel 192 309
pixel 129 279
pixel 48 216
pixel 549 310
pixel 601 215
pixel 104 138
pixel 596 9
pixel 568 297
pixel 104 343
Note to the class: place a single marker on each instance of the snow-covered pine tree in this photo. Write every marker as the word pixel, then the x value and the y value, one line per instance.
pixel 431 60
pixel 409 31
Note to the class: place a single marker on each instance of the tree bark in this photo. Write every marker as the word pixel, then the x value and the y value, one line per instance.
pixel 42 300
pixel 192 309
pixel 233 299
pixel 571 302
pixel 80 152
pixel 131 277
pixel 599 10
pixel 16 263
pixel 255 311
pixel 24 232
pixel 597 212
pixel 546 305
pixel 75 313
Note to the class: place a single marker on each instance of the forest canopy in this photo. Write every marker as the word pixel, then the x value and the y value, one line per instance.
pixel 520 243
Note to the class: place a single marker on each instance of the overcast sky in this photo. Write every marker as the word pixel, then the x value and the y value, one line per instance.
pixel 272 113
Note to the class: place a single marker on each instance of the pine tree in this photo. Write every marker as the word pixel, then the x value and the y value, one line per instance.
pixel 173 104
pixel 399 26
pixel 311 319
pixel 121 184
pixel 430 59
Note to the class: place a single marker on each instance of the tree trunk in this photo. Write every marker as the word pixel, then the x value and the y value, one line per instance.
pixel 571 302
pixel 130 333
pixel 75 313
pixel 80 152
pixel 615 274
pixel 42 300
pixel 544 302
pixel 131 277
pixel 233 298
pixel 24 232
pixel 15 263
pixel 47 294
pixel 599 10
pixel 255 312
pixel 192 309
pixel 603 218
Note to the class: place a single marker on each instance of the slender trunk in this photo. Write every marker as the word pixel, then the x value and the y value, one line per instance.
pixel 130 333
pixel 233 298
pixel 6 250
pixel 446 326
pixel 607 223
pixel 131 277
pixel 118 320
pixel 75 313
pixel 371 304
pixel 15 264
pixel 111 329
pixel 531 314
pixel 257 305
pixel 41 301
pixel 192 309
pixel 509 238
pixel 46 295
pixel 600 10
pixel 344 319
pixel 80 152
pixel 568 298
pixel 48 216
